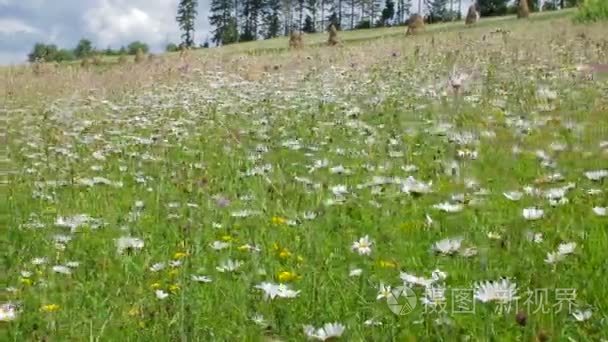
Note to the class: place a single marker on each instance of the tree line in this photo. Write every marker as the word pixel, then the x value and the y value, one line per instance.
pixel 246 20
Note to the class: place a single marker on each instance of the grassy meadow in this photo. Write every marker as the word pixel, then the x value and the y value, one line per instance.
pixel 253 194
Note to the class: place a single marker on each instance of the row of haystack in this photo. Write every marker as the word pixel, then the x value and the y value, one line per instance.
pixel 296 42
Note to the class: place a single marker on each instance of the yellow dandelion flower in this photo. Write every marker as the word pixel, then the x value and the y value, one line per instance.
pixel 155 286
pixel 227 238
pixel 243 248
pixel 278 220
pixel 180 255
pixel 173 272
pixel 50 308
pixel 287 276
pixel 134 311
pixel 387 264
pixel 174 288
pixel 284 253
pixel 26 281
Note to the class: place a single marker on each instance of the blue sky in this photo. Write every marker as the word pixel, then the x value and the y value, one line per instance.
pixel 105 22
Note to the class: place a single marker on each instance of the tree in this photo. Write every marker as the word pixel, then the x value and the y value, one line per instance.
pixel 223 21
pixel 438 10
pixel 312 7
pixel 271 18
pixel 309 26
pixel 83 49
pixel 186 15
pixel 63 55
pixel 388 12
pixel 171 47
pixel 137 45
pixel 490 8
pixel 42 52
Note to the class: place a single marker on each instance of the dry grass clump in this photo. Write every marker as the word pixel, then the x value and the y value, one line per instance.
pixel 295 40
pixel 333 36
pixel 472 15
pixel 139 56
pixel 523 11
pixel 415 24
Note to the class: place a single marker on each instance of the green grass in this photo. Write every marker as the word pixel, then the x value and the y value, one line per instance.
pixel 176 147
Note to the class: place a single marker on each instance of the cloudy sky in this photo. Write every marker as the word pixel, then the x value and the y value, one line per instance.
pixel 105 22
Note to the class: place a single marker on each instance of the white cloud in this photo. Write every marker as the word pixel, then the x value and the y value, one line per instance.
pixel 13 25
pixel 113 22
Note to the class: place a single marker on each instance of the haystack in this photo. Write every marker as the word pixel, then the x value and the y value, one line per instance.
pixel 295 40
pixel 472 15
pixel 415 24
pixel 333 36
pixel 523 11
pixel 139 56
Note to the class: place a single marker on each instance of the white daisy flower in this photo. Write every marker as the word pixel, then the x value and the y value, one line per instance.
pixel 229 266
pixel 219 245
pixel 582 316
pixel 534 237
pixel 72 264
pixel 339 190
pixel 175 263
pixel 502 291
pixel 61 269
pixel 8 312
pixel 600 211
pixel 447 246
pixel 448 207
pixel 160 294
pixel 413 186
pixel 414 280
pixel 363 246
pixel 596 175
pixel 26 274
pixel 159 266
pixel 272 291
pixel 513 195
pixel 438 275
pixel 127 243
pixel 559 202
pixel 533 213
pixel 355 272
pixel 327 332
pixel 554 257
pixel 494 236
pixel 259 320
pixel 593 192
pixel 39 261
pixel 341 170
pixel 383 292
pixel 566 248
pixel 201 278
pixel 372 323
pixel 469 252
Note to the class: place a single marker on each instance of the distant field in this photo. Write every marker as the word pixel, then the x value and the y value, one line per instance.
pixel 439 187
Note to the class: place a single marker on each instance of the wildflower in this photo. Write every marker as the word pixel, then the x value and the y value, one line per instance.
pixel 363 246
pixel 259 320
pixel 387 264
pixel 173 288
pixel 158 267
pixel 533 213
pixel 412 279
pixel 328 331
pixel 248 248
pixel 596 175
pixel 582 316
pixel 278 220
pixel 155 286
pixel 72 264
pixel 355 272
pixel 372 323
pixel 383 292
pixel 227 238
pixel 201 279
pixel 39 261
pixel 160 294
pixel 62 269
pixel 26 281
pixel 127 243
pixel 502 291
pixel 513 195
pixel 180 255
pixel 600 211
pixel 271 291
pixel 50 308
pixel 219 245
pixel 284 254
pixel 447 246
pixel 286 276
pixel 229 266
pixel 449 207
pixel 8 312
pixel 339 190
